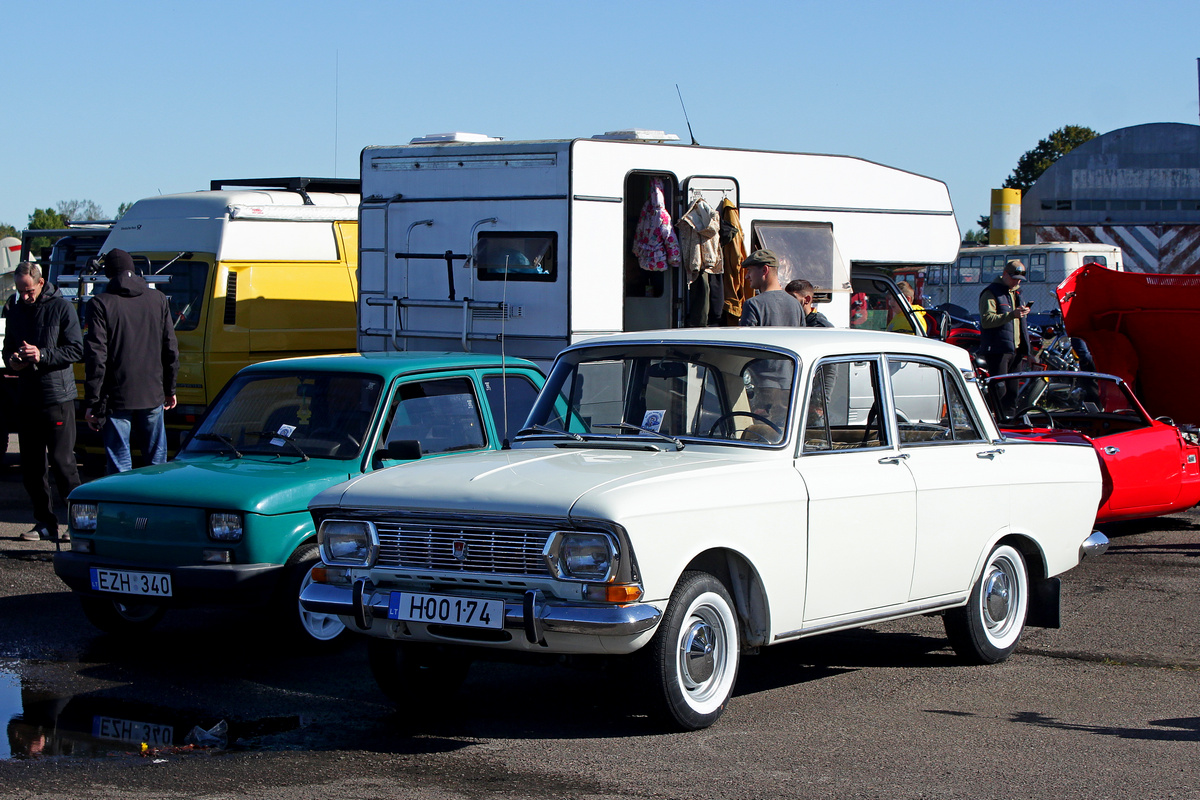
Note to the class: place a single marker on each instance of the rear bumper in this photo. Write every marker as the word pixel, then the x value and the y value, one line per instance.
pixel 199 585
pixel 1093 546
pixel 532 617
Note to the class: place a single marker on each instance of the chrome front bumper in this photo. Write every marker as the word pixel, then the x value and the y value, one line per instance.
pixel 533 615
pixel 1093 546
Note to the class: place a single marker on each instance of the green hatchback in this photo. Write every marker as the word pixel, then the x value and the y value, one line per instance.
pixel 227 524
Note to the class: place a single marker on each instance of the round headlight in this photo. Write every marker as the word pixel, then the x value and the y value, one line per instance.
pixel 347 543
pixel 581 556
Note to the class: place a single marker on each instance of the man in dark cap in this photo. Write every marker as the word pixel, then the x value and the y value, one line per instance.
pixel 41 342
pixel 772 305
pixel 1004 337
pixel 131 360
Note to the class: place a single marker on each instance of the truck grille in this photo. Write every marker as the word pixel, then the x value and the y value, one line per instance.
pixel 489 550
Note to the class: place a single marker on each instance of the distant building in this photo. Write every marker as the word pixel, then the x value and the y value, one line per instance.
pixel 1136 187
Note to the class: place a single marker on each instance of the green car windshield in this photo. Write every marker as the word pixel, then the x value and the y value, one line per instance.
pixel 318 415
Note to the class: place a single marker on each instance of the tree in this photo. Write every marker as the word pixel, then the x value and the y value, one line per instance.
pixel 976 236
pixel 121 209
pixel 43 219
pixel 79 210
pixel 8 230
pixel 1034 162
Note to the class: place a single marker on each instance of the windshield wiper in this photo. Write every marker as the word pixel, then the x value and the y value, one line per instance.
pixel 222 438
pixel 536 428
pixel 285 437
pixel 678 443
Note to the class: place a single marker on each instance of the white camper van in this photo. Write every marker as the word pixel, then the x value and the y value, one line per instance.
pixel 1047 266
pixel 467 241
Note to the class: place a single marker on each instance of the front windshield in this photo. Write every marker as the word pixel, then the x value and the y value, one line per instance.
pixel 319 415
pixel 655 391
pixel 1058 397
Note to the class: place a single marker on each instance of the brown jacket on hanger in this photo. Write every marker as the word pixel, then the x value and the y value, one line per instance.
pixel 733 249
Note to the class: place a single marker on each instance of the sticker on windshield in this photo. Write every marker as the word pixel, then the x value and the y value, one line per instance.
pixel 652 420
pixel 284 430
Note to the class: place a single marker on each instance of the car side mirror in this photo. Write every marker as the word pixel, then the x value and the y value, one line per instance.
pixel 1165 420
pixel 401 450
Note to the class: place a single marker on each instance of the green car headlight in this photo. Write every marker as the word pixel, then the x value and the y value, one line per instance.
pixel 347 543
pixel 83 516
pixel 225 526
pixel 581 555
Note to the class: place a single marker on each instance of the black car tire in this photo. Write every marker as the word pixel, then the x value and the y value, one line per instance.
pixel 691 664
pixel 987 629
pixel 121 617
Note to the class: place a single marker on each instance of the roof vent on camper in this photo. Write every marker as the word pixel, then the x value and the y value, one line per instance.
pixel 456 136
pixel 637 135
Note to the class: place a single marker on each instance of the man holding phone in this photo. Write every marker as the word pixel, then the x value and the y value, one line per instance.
pixel 1004 336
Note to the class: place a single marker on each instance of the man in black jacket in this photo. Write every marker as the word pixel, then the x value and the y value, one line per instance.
pixel 131 360
pixel 1004 336
pixel 41 342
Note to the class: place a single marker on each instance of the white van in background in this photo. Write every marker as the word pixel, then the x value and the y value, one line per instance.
pixel 1047 265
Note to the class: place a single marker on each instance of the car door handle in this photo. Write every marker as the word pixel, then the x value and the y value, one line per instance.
pixel 1111 451
pixel 893 459
pixel 990 453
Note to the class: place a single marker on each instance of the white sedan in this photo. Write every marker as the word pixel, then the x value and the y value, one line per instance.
pixel 680 498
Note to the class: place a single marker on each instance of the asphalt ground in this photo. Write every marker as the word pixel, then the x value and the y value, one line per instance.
pixel 1108 706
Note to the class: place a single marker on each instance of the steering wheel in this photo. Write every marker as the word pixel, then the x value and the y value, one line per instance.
pixel 1035 410
pixel 756 417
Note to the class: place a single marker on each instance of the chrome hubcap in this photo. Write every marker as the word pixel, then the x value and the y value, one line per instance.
pixel 997 594
pixel 699 657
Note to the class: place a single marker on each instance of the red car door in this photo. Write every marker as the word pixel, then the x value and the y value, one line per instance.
pixel 1144 465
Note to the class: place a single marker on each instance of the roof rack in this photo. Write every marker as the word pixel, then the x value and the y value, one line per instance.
pixel 301 185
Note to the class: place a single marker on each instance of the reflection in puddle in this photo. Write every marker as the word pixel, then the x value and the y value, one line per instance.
pixel 92 726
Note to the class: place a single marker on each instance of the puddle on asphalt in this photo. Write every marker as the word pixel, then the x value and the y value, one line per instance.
pixel 40 724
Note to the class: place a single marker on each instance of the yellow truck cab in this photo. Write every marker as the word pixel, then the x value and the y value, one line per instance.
pixel 255 269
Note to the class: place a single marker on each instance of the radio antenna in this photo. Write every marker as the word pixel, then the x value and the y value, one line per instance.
pixel 685 115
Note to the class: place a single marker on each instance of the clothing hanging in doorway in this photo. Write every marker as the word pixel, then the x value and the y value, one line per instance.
pixel 733 250
pixel 699 229
pixel 654 241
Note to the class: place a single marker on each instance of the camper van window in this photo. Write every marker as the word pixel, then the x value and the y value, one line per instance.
pixel 1101 260
pixel 517 256
pixel 805 250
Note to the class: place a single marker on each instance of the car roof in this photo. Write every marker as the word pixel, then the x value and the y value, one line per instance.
pixel 388 364
pixel 809 344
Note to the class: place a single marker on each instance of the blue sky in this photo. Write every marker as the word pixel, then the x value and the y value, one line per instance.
pixel 116 101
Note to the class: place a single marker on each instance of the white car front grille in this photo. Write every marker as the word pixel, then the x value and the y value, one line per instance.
pixel 459 548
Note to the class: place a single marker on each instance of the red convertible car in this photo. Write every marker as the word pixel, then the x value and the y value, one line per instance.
pixel 1149 465
pixel 1140 327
